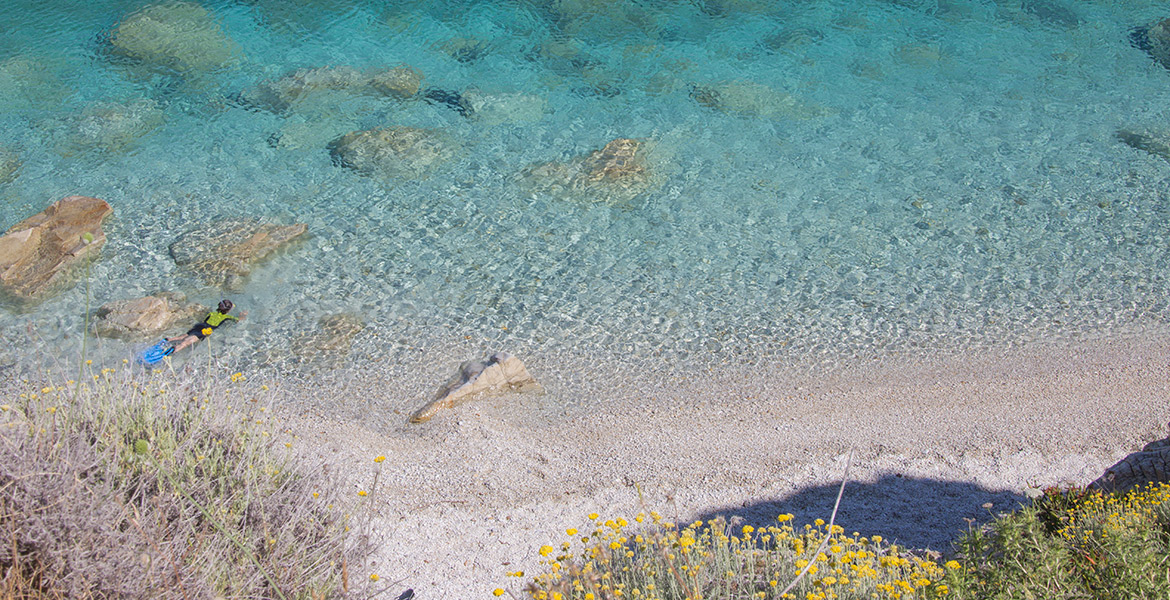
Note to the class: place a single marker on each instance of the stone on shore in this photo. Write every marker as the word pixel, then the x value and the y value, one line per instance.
pixel 144 318
pixel 499 374
pixel 392 152
pixel 223 253
pixel 178 35
pixel 752 99
pixel 1151 464
pixel 331 342
pixel 9 165
pixel 40 255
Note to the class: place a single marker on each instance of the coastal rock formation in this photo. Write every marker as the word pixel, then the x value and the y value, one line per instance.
pixel 499 374
pixel 510 108
pixel 144 318
pixel 281 94
pixel 174 34
pixel 755 100
pixel 9 165
pixel 1151 464
pixel 392 152
pixel 223 253
pixel 331 341
pixel 617 173
pixel 40 255
pixel 1156 144
pixel 113 127
pixel 1154 39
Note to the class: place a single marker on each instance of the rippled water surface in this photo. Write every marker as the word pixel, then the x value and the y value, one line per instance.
pixel 805 178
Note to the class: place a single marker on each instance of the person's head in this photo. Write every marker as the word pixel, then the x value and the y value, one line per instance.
pixel 225 306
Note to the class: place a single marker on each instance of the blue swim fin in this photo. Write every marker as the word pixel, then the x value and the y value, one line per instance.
pixel 155 353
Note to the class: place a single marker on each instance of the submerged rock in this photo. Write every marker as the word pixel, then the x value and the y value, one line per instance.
pixel 509 108
pixel 40 255
pixel 1154 40
pixel 113 127
pixel 1150 465
pixel 29 83
pixel 1158 145
pixel 9 165
pixel 615 174
pixel 392 152
pixel 499 374
pixel 178 35
pixel 282 94
pixel 757 100
pixel 1051 12
pixel 144 318
pixel 331 341
pixel 450 99
pixel 223 253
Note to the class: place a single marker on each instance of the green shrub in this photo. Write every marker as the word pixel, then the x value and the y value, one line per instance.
pixel 146 486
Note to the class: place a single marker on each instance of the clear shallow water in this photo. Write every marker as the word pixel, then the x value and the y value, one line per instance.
pixel 900 175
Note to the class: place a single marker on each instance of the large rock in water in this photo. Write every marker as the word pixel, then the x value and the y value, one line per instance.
pixel 331 342
pixel 40 255
pixel 223 253
pixel 1154 40
pixel 499 374
pixel 392 152
pixel 113 127
pixel 1150 465
pixel 143 318
pixel 281 94
pixel 178 35
pixel 9 165
pixel 615 174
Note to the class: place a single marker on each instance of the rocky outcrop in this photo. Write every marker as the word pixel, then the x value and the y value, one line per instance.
pixel 144 318
pixel 331 341
pixel 392 152
pixel 40 255
pixel 1151 464
pixel 9 165
pixel 499 374
pixel 223 253
pixel 1154 39
pixel 1156 144
pixel 752 99
pixel 282 94
pixel 113 127
pixel 177 35
pixel 616 173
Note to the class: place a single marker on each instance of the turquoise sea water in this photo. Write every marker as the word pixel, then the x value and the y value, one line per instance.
pixel 824 178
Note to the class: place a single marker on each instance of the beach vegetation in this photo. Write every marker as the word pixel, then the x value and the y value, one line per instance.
pixel 1070 543
pixel 144 485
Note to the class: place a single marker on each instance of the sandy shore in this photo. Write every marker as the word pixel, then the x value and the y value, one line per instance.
pixel 472 495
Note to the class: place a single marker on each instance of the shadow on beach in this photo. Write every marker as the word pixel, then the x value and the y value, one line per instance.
pixel 914 512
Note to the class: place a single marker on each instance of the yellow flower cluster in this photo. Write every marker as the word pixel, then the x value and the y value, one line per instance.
pixel 658 559
pixel 1097 515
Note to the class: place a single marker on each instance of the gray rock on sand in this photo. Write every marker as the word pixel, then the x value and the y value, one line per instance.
pixel 392 152
pixel 144 318
pixel 9 165
pixel 178 35
pixel 41 254
pixel 282 94
pixel 331 341
pixel 223 253
pixel 499 374
pixel 1150 465
pixel 1153 143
